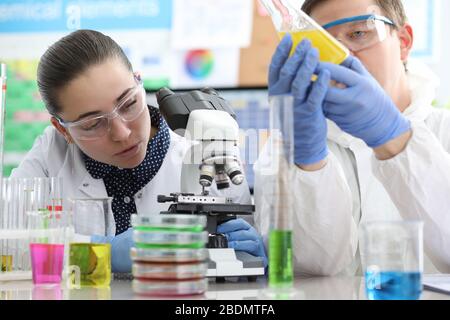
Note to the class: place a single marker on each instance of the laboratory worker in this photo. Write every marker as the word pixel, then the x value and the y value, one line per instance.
pixel 107 142
pixel 368 146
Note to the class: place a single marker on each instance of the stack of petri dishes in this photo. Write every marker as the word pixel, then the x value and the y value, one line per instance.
pixel 169 257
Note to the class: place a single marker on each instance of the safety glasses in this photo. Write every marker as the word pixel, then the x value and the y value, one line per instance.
pixel 360 32
pixel 128 109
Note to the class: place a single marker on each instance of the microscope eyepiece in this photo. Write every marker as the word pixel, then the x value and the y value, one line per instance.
pixel 162 93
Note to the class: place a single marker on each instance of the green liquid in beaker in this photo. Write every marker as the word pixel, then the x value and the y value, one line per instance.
pixel 281 274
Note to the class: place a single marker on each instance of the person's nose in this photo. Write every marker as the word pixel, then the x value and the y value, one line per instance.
pixel 119 130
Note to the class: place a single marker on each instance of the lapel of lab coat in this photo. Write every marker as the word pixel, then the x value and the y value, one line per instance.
pixel 361 152
pixel 85 185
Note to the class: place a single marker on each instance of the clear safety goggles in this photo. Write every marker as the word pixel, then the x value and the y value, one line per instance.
pixel 128 109
pixel 359 32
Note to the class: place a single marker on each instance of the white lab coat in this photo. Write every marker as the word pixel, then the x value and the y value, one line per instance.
pixel 50 156
pixel 354 187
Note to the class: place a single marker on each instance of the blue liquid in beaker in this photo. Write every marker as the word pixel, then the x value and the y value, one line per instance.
pixel 393 285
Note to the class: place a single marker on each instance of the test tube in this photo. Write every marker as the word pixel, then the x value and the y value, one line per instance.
pixel 56 194
pixel 23 249
pixel 14 220
pixel 280 236
pixel 2 111
pixel 2 223
pixel 3 214
pixel 6 258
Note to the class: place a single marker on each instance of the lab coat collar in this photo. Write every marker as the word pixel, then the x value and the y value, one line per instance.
pixel 86 184
pixel 422 82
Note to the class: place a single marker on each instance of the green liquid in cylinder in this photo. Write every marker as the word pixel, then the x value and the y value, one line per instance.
pixel 281 274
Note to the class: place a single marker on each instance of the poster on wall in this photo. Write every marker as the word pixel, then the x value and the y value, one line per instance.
pixel 212 24
pixel 205 67
pixel 140 27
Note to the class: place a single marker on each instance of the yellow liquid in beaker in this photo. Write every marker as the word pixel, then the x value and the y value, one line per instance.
pixel 6 262
pixel 330 50
pixel 94 262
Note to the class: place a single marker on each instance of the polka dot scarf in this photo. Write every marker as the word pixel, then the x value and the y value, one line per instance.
pixel 123 184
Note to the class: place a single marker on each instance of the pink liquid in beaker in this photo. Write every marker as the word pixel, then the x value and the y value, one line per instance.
pixel 47 262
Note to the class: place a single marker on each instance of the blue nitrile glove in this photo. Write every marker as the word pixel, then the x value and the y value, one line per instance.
pixel 120 249
pixel 292 76
pixel 362 109
pixel 242 236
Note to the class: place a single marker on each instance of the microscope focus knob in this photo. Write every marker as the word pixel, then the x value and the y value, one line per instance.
pixel 209 91
pixel 217 240
pixel 163 199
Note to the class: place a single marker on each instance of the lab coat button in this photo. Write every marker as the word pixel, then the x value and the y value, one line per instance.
pixel 85 185
pixel 126 199
pixel 139 195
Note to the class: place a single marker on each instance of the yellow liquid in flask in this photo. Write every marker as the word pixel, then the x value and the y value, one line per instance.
pixel 330 49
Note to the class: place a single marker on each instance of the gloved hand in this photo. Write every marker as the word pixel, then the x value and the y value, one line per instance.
pixel 120 249
pixel 242 236
pixel 292 76
pixel 362 109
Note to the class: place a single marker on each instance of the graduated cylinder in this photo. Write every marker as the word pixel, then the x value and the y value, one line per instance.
pixel 282 150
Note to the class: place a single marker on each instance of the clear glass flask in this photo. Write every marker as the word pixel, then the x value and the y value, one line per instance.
pixel 287 17
pixel 93 216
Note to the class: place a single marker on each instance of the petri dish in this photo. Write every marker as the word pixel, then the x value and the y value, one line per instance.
pixel 161 239
pixel 169 222
pixel 161 288
pixel 169 271
pixel 168 255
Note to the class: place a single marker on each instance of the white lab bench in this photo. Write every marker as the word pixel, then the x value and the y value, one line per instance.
pixel 319 288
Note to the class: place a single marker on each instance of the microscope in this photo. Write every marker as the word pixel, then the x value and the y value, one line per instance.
pixel 207 120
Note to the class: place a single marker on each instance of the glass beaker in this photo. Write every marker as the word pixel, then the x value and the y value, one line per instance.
pixel 18 196
pixel 14 236
pixel 90 263
pixel 287 17
pixel 49 233
pixel 93 216
pixel 281 274
pixel 392 257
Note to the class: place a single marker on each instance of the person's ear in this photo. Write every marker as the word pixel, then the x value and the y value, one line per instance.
pixel 61 130
pixel 406 37
pixel 137 75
